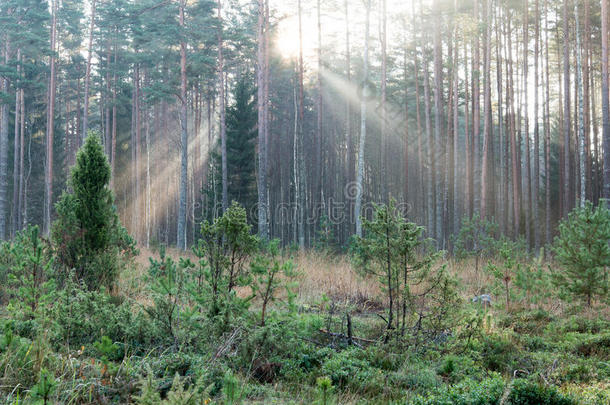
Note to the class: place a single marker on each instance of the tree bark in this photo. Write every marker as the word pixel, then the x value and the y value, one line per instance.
pixel 487 126
pixel 88 75
pixel 438 117
pixel 16 151
pixel 567 201
pixel 181 237
pixel 605 103
pixel 526 128
pixel 536 180
pixel 263 231
pixel 4 111
pixel 581 120
pixel 223 126
pixel 48 180
pixel 363 112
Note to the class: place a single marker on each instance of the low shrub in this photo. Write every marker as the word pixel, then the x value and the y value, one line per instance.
pixel 524 392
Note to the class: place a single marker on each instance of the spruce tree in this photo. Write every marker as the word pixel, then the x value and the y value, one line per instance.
pixel 87 235
pixel 241 150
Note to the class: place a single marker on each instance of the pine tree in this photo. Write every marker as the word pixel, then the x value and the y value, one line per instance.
pixel 583 251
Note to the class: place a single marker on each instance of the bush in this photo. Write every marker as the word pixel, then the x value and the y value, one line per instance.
pixel 467 392
pixel 524 392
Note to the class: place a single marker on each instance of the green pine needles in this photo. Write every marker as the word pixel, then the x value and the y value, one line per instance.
pixel 583 250
pixel 87 235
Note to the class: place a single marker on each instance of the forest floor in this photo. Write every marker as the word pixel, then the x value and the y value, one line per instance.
pixel 117 348
pixel 562 347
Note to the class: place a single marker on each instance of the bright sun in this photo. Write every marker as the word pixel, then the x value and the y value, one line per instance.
pixel 287 40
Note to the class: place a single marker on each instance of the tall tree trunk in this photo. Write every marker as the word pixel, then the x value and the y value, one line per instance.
pixel 302 203
pixel 547 129
pixel 420 152
pixel 223 126
pixel 536 180
pixel 456 129
pixel 503 192
pixel 48 180
pixel 22 196
pixel 181 237
pixel 438 117
pixel 4 111
pixel 468 189
pixel 586 105
pixel 476 114
pixel 351 175
pixel 581 119
pixel 567 201
pixel 431 192
pixel 318 170
pixel 263 230
pixel 384 77
pixel 516 172
pixel 16 151
pixel 363 112
pixel 88 74
pixel 526 128
pixel 605 103
pixel 486 173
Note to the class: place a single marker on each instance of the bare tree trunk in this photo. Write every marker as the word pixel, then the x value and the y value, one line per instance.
pixel 88 74
pixel 4 150
pixel 48 200
pixel 420 152
pixel 567 201
pixel 384 78
pixel 181 237
pixel 456 129
pixel 363 112
pixel 605 103
pixel 223 126
pixel 438 114
pixel 114 122
pixel 586 105
pixel 263 230
pixel 318 170
pixel 547 129
pixel 476 113
pixel 302 203
pixel 526 128
pixel 351 175
pixel 16 152
pixel 516 173
pixel 503 200
pixel 431 192
pixel 581 120
pixel 468 141
pixel 536 180
pixel 487 126
pixel 22 196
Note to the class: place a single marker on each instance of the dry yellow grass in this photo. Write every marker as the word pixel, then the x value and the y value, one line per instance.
pixel 325 275
pixel 335 278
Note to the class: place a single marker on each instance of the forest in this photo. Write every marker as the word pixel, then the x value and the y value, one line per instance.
pixel 304 202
